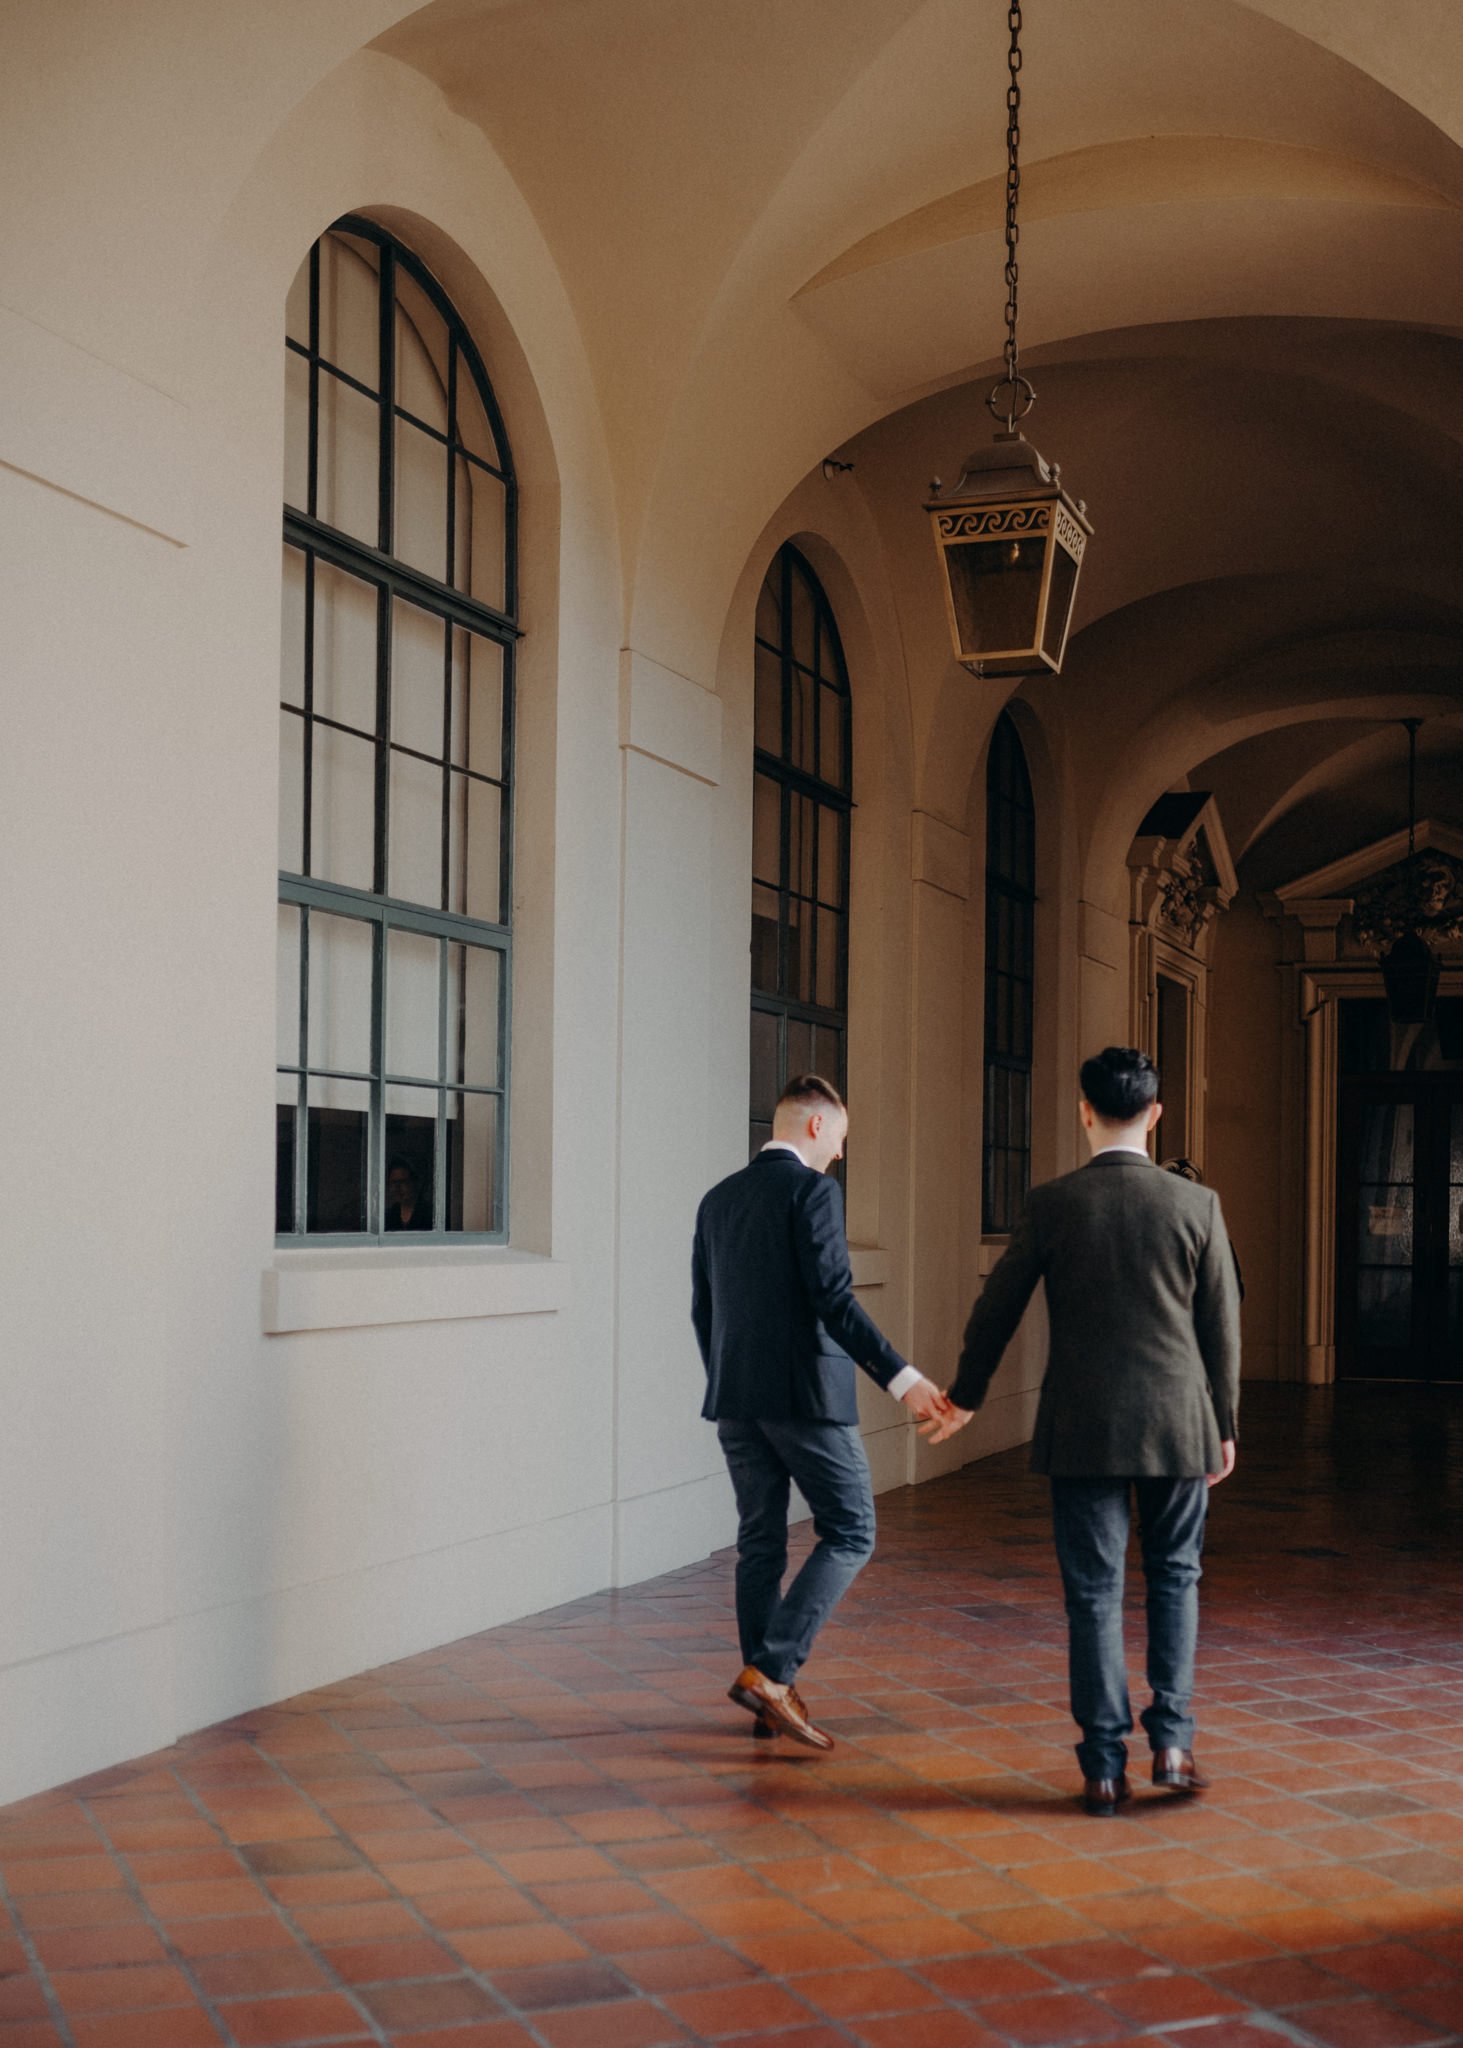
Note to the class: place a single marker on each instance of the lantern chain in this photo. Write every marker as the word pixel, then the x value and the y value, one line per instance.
pixel 1019 396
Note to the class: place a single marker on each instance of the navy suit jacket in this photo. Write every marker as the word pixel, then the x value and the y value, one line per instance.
pixel 772 1299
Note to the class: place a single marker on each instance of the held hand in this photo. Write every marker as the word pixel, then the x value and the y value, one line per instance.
pixel 937 1430
pixel 1228 1452
pixel 925 1401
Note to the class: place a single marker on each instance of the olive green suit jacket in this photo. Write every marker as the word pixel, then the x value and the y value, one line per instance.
pixel 1142 1379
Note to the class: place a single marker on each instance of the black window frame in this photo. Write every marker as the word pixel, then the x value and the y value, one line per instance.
pixel 1010 981
pixel 790 1011
pixel 395 580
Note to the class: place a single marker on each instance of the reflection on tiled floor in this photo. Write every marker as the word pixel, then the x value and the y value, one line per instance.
pixel 559 1832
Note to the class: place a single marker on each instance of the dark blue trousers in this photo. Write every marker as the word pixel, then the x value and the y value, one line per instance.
pixel 1090 1518
pixel 827 1462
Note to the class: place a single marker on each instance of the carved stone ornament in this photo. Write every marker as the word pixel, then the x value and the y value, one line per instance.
pixel 1423 894
pixel 1185 905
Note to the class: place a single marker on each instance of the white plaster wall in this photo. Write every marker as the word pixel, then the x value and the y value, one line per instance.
pixel 232 1474
pixel 202 1516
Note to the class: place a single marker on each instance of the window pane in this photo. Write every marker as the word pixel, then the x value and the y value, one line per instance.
pixel 285 1100
pixel 1386 1141
pixel 292 628
pixel 420 532
pixel 350 333
pixel 411 1159
pixel 418 679
pixel 291 792
pixel 1021 1024
pixel 800 851
pixel 768 708
pixel 473 974
pixel 421 353
pixel 801 624
pixel 342 955
pixel 828 1055
pixel 473 429
pixel 831 708
pixel 477 703
pixel 832 828
pixel 799 1048
pixel 799 950
pixel 1386 1226
pixel 337 1119
pixel 1024 850
pixel 481 534
pixel 766 1077
pixel 1023 938
pixel 476 848
pixel 1384 1306
pixel 472 1136
pixel 346 616
pixel 769 606
pixel 343 808
pixel 297 306
pixel 296 431
pixel 829 995
pixel 349 461
pixel 764 939
pixel 803 692
pixel 766 829
pixel 413 1004
pixel 287 986
pixel 415 842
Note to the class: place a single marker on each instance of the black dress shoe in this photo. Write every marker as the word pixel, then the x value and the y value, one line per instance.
pixel 1103 1796
pixel 1176 1769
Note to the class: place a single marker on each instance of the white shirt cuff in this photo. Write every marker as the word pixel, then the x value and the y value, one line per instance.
pixel 901 1383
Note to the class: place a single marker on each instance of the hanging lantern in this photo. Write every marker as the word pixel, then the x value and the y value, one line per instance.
pixel 1010 539
pixel 1408 911
pixel 1011 542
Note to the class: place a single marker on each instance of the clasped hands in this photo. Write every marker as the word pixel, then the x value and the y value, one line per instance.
pixel 935 1413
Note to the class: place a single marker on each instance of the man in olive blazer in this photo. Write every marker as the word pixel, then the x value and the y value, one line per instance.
pixel 1140 1397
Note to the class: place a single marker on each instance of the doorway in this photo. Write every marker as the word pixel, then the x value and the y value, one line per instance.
pixel 1399 1253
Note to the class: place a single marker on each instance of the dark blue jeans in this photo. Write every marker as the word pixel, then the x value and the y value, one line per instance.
pixel 827 1461
pixel 1090 1517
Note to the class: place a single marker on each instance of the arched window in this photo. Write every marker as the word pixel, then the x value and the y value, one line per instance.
pixel 1010 919
pixel 396 725
pixel 803 797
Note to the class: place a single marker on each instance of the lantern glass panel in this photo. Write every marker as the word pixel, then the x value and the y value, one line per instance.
pixel 1058 606
pixel 995 588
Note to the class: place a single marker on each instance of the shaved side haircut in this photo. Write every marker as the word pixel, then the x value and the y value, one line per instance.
pixel 812 1093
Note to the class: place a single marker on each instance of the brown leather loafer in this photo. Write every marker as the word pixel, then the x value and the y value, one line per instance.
pixel 1103 1796
pixel 762 1728
pixel 1176 1769
pixel 784 1710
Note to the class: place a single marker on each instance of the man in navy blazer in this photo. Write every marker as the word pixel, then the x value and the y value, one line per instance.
pixel 780 1334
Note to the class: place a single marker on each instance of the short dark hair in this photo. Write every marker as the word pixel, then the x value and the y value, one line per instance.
pixel 1120 1083
pixel 808 1091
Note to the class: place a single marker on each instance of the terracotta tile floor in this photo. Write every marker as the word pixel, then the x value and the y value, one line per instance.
pixel 559 1833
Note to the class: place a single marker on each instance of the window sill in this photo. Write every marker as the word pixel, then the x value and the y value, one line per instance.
pixel 352 1290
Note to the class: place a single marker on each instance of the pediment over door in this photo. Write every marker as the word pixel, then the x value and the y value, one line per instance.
pixel 1180 871
pixel 1351 909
